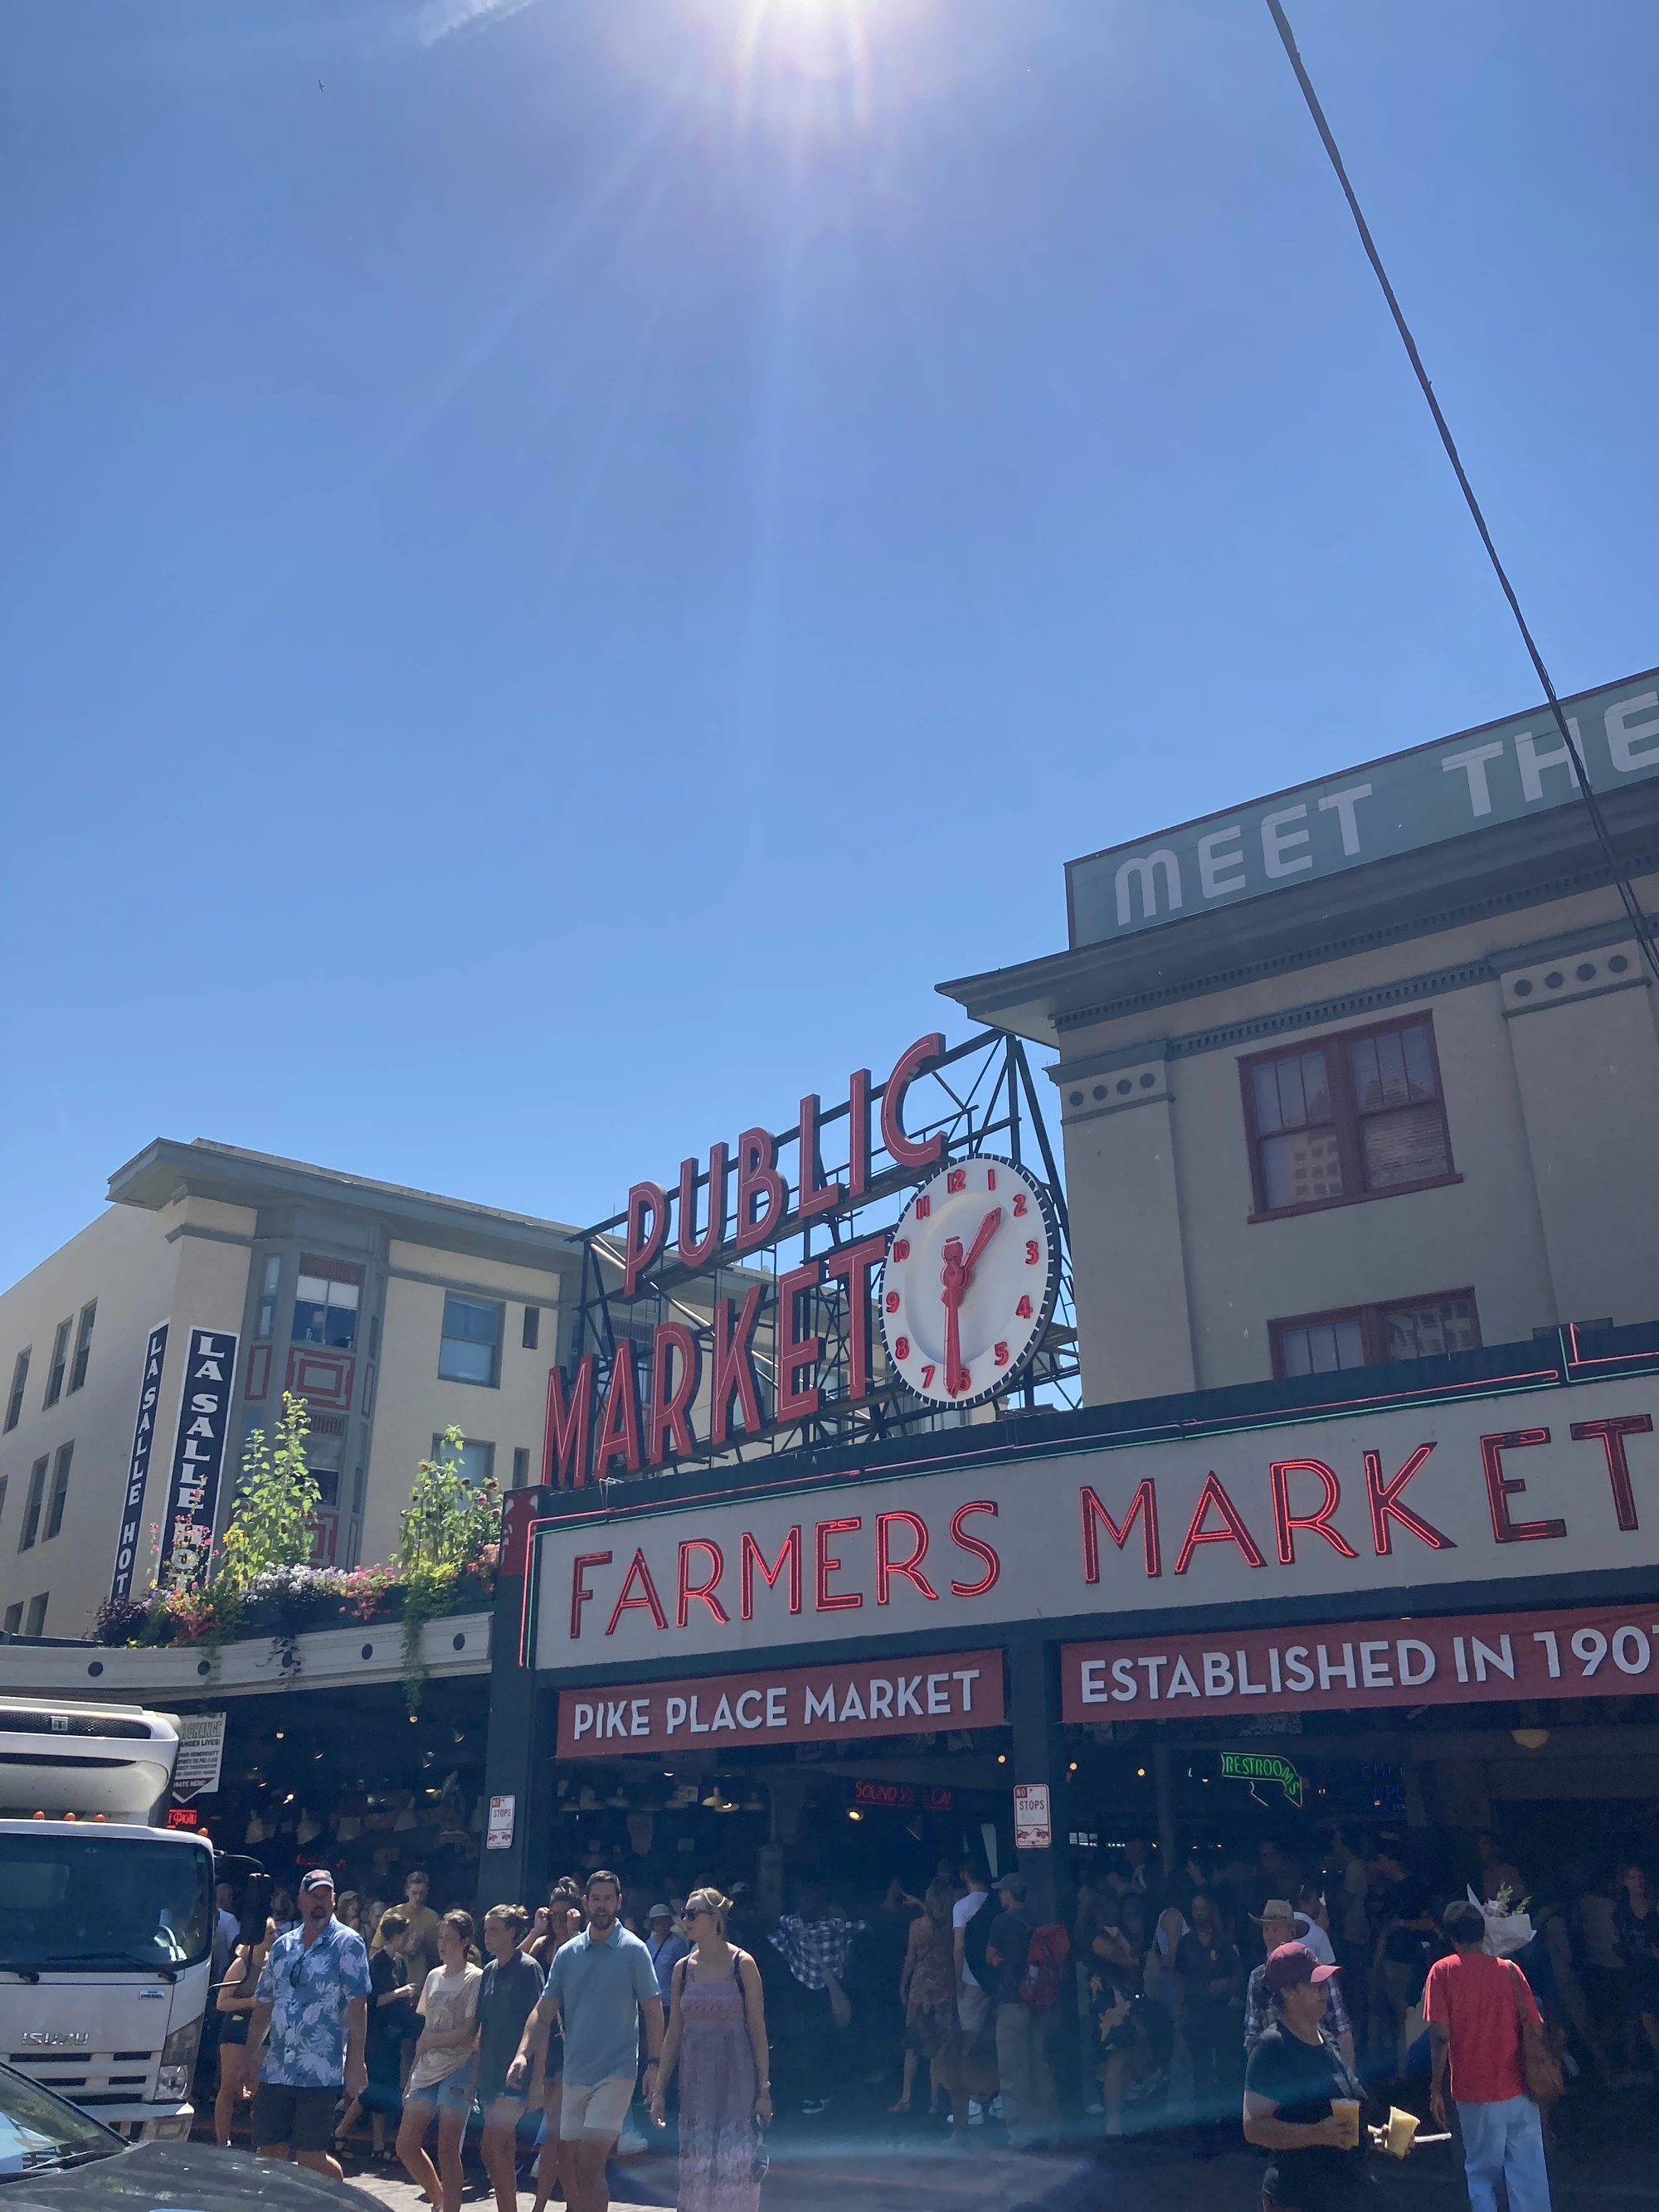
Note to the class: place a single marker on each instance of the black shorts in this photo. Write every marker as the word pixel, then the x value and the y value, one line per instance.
pixel 301 2119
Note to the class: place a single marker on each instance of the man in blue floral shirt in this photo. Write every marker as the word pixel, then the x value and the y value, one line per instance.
pixel 312 2004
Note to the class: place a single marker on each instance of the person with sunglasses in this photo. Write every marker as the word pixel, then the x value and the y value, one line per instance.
pixel 717 2039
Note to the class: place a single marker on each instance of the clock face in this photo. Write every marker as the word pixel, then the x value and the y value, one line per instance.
pixel 969 1282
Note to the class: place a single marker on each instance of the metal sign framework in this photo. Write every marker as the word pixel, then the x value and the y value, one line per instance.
pixel 980 1097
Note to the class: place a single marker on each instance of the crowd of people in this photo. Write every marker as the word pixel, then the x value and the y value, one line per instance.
pixel 1174 1962
pixel 323 2024
pixel 1275 1984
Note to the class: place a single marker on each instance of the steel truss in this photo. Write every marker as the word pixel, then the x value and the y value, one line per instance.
pixel 981 1097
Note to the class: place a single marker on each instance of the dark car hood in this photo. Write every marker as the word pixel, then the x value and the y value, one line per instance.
pixel 154 2177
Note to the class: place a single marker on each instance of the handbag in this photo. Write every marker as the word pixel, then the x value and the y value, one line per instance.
pixel 1541 2069
pixel 760 2158
pixel 841 2009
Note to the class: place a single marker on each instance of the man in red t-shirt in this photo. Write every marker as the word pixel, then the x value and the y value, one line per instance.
pixel 1474 2006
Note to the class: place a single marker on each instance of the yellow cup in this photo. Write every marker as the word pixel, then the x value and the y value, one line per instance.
pixel 1402 2126
pixel 1346 2110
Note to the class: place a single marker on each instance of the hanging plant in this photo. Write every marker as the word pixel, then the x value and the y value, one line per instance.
pixel 273 1513
pixel 451 1526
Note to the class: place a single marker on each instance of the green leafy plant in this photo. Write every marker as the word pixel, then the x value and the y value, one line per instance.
pixel 273 1514
pixel 451 1526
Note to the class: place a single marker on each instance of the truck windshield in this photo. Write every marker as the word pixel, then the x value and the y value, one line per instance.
pixel 69 1899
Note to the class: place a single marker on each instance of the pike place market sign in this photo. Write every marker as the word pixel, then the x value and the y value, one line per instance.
pixel 1479 1489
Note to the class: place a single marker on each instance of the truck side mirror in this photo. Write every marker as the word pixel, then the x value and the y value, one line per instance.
pixel 256 1909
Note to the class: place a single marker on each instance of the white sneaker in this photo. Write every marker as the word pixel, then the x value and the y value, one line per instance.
pixel 995 2108
pixel 975 2113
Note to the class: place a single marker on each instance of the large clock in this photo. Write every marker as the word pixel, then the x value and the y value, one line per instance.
pixel 969 1283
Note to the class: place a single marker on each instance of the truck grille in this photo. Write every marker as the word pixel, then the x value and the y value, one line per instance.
pixel 105 2078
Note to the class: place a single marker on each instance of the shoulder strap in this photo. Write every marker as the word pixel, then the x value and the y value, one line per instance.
pixel 678 1980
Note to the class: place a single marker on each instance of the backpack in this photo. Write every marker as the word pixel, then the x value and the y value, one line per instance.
pixel 1045 1968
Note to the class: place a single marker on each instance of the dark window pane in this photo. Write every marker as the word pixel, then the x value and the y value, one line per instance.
pixel 533 1327
pixel 60 1475
pixel 1422 1332
pixel 1294 1352
pixel 471 1333
pixel 1297 1169
pixel 1315 1088
pixel 1292 1104
pixel 20 1375
pixel 1419 1062
pixel 1409 1146
pixel 1268 1119
pixel 1367 1077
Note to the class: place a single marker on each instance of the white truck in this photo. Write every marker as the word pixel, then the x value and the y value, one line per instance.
pixel 106 1918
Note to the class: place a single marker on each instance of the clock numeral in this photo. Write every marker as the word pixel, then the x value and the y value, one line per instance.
pixel 924 1206
pixel 1022 1204
pixel 927 1377
pixel 956 1180
pixel 1002 1355
pixel 1032 1254
pixel 990 1178
pixel 1023 1310
pixel 892 1302
pixel 901 1249
pixel 901 1347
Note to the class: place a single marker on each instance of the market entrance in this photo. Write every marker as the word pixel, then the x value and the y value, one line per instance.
pixel 762 1824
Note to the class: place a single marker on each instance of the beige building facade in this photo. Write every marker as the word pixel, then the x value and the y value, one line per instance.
pixel 395 1314
pixel 1356 1110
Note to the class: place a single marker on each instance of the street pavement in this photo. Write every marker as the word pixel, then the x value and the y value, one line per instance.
pixel 1145 2175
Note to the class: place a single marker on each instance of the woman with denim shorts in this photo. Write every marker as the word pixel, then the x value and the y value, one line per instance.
pixel 441 2078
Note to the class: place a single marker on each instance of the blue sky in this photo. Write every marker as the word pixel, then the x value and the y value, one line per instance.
pixel 559 580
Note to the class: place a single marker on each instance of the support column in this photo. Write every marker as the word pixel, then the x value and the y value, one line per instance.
pixel 1164 1783
pixel 515 1765
pixel 1039 1755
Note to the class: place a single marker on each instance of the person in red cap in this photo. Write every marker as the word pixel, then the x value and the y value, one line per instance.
pixel 1294 2085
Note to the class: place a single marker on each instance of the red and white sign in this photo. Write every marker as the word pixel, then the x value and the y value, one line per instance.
pixel 1487 1488
pixel 802 1705
pixel 1033 1828
pixel 1465 1659
pixel 498 1831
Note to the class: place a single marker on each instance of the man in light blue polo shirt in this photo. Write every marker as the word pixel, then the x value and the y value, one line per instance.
pixel 600 1986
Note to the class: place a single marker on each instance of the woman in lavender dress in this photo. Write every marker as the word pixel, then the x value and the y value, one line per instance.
pixel 717 2038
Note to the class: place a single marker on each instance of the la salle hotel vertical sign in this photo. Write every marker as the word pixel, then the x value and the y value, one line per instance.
pixel 144 1440
pixel 198 1456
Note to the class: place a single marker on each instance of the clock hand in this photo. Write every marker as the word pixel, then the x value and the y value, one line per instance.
pixel 954 1278
pixel 988 1230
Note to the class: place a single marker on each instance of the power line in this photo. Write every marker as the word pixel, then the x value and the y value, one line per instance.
pixel 1640 922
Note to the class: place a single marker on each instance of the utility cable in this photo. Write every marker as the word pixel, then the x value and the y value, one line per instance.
pixel 1640 921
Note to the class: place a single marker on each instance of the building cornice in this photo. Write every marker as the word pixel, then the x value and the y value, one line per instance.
pixel 1517 864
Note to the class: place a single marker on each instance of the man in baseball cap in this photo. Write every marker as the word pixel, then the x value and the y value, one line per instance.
pixel 307 2035
pixel 1280 1929
pixel 1302 2102
pixel 1026 2085
pixel 667 1948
